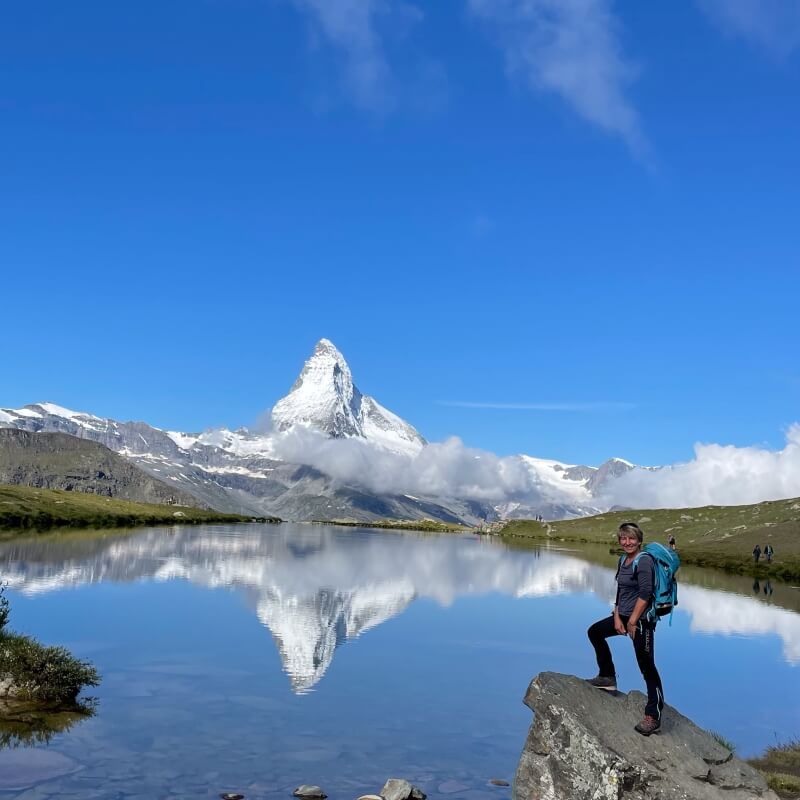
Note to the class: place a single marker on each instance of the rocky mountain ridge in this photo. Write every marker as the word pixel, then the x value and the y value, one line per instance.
pixel 249 472
pixel 60 461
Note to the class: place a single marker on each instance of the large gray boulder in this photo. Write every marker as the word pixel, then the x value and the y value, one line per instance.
pixel 582 746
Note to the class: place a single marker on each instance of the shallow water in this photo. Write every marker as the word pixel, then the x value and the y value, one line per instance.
pixel 256 658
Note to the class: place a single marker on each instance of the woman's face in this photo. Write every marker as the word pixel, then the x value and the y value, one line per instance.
pixel 628 542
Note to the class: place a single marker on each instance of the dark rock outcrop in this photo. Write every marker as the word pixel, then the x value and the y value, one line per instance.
pixel 61 461
pixel 582 746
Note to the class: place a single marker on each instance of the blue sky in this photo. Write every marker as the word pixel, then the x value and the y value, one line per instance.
pixel 585 205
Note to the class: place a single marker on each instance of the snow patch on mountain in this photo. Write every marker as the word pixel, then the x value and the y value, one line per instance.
pixel 60 411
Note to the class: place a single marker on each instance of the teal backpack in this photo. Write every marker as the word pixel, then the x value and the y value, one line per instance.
pixel 665 586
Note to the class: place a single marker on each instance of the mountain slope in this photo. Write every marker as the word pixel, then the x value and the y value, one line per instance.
pixel 61 461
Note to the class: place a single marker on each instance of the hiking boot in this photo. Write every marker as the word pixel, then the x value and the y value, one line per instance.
pixel 648 725
pixel 599 682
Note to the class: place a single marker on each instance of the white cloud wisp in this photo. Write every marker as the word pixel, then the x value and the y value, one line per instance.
pixel 349 25
pixel 773 25
pixel 570 47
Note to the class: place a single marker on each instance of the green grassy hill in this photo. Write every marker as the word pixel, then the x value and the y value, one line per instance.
pixel 23 508
pixel 718 536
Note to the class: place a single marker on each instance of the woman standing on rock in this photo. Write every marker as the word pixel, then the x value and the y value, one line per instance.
pixel 634 595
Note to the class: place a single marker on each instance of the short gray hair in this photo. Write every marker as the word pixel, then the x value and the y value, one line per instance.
pixel 631 527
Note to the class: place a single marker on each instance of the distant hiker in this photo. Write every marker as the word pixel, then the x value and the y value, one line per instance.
pixel 635 584
pixel 768 552
pixel 671 542
pixel 756 553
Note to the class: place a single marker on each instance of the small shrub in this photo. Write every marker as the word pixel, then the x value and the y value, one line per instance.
pixel 4 609
pixel 50 675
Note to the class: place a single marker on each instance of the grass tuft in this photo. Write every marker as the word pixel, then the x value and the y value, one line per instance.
pixel 780 765
pixel 723 740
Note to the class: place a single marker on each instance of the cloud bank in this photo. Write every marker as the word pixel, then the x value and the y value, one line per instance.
pixel 718 475
pixel 446 469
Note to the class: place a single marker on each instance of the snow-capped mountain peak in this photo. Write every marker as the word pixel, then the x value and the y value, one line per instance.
pixel 325 398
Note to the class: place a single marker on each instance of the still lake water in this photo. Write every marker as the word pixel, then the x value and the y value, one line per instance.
pixel 255 658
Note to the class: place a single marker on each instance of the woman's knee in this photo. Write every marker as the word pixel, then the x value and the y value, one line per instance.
pixel 595 631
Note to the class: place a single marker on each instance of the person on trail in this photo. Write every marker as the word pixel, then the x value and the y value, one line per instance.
pixel 634 596
pixel 671 542
pixel 769 552
pixel 756 553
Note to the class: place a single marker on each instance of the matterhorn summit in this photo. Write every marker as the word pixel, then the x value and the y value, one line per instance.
pixel 325 398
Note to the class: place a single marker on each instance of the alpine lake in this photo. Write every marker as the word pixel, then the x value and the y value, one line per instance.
pixel 254 658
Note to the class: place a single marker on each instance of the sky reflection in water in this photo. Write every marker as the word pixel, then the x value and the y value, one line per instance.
pixel 443 635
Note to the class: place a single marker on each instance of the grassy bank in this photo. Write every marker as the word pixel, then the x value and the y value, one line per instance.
pixel 427 525
pixel 710 536
pixel 781 767
pixel 25 508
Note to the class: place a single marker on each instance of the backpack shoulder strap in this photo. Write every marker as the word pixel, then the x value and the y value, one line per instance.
pixel 636 560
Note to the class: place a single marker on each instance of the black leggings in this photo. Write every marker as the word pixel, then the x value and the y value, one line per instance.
pixel 643 646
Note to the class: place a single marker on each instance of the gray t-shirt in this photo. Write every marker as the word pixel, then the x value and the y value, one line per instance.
pixel 634 585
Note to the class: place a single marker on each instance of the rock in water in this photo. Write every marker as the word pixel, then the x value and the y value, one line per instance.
pixel 309 792
pixel 582 746
pixel 396 789
pixel 399 789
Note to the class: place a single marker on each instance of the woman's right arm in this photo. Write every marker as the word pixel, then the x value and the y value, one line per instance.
pixel 619 626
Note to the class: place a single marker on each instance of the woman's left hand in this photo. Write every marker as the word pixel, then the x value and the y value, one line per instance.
pixel 631 628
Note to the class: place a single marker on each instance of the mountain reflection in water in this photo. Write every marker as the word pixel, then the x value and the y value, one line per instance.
pixel 315 588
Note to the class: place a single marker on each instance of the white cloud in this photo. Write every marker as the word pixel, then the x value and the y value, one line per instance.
pixel 718 475
pixel 771 24
pixel 570 47
pixel 351 27
pixel 446 469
